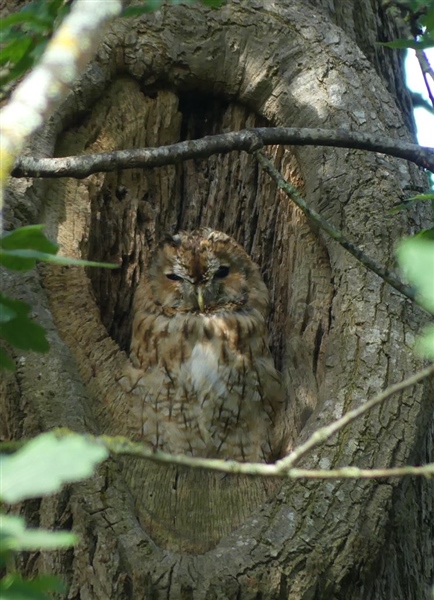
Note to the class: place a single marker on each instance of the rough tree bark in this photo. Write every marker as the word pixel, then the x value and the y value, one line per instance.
pixel 339 333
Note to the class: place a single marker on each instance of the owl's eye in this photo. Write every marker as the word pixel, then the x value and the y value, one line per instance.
pixel 173 277
pixel 221 272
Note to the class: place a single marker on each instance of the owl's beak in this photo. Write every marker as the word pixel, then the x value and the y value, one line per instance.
pixel 199 296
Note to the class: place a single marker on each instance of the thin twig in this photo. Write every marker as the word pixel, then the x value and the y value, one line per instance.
pixel 122 446
pixel 246 139
pixel 427 73
pixel 332 231
pixel 418 101
pixel 356 473
pixel 326 432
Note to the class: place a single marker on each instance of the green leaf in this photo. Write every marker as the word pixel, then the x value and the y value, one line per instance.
pixel 17 18
pixel 30 237
pixel 213 3
pixel 17 260
pixel 23 260
pixel 15 536
pixel 16 247
pixel 46 463
pixel 422 45
pixel 6 361
pixel 6 313
pixel 13 587
pixel 421 198
pixel 416 258
pixel 428 19
pixel 74 262
pixel 15 71
pixel 21 248
pixel 425 234
pixel 20 331
pixel 15 50
pixel 409 202
pixel 425 343
pixel 54 6
pixel 135 11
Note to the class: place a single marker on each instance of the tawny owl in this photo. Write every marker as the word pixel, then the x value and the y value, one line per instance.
pixel 203 381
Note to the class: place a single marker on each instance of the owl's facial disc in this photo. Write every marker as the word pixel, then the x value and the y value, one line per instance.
pixel 200 283
pixel 202 271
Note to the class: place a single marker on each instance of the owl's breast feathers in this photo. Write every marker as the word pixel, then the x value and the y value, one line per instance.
pixel 158 333
pixel 204 383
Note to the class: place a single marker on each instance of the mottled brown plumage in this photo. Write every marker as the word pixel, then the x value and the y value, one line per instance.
pixel 203 381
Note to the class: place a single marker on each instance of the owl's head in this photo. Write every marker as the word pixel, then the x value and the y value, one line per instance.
pixel 205 271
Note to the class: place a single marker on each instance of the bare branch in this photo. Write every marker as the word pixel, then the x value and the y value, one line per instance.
pixel 324 433
pixel 246 139
pixel 427 73
pixel 334 233
pixel 122 446
pixel 356 473
pixel 419 101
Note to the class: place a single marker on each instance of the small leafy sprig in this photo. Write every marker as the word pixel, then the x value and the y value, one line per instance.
pixel 416 258
pixel 419 15
pixel 43 466
pixel 20 249
pixel 24 36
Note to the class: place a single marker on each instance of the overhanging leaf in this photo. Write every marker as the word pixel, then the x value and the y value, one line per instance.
pixel 6 313
pixel 409 202
pixel 6 361
pixel 425 234
pixel 416 258
pixel 15 50
pixel 13 587
pixel 22 247
pixel 15 536
pixel 20 331
pixel 74 262
pixel 425 343
pixel 46 463
pixel 402 44
pixel 421 197
pixel 17 260
pixel 428 20
pixel 146 7
pixel 30 237
pixel 23 260
pixel 16 18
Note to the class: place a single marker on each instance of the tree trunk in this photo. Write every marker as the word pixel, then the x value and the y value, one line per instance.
pixel 338 332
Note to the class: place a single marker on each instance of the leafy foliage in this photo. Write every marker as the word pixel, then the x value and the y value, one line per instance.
pixel 46 463
pixel 13 587
pixel 15 536
pixel 409 202
pixel 24 36
pixel 16 327
pixel 21 248
pixel 41 467
pixel 19 251
pixel 57 458
pixel 416 258
pixel 419 14
pixel 151 5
